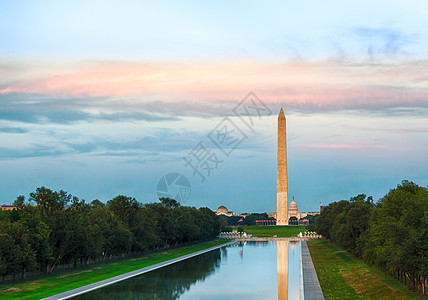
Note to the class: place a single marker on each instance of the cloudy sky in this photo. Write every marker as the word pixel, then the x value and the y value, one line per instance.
pixel 105 98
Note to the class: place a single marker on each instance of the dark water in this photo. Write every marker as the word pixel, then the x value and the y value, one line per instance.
pixel 252 270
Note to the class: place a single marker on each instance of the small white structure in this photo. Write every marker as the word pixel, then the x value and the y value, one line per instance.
pixel 312 235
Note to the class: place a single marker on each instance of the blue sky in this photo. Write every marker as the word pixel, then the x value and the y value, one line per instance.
pixel 104 98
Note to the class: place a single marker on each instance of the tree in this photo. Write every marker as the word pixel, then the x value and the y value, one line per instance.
pixel 8 250
pixel 397 239
pixel 189 230
pixel 209 223
pixel 345 222
pixel 293 221
pixel 145 231
pixel 16 251
pixel 125 208
pixel 350 225
pixel 252 218
pixel 233 220
pixel 62 229
pixel 312 219
pixel 49 201
pixel 168 202
pixel 38 237
pixel 328 216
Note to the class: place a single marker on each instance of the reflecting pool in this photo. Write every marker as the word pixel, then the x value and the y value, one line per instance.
pixel 249 270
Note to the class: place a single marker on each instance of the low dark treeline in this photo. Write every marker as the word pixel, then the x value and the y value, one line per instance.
pixel 55 228
pixel 250 219
pixel 393 234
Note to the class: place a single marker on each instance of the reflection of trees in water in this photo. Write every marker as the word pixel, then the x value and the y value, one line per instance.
pixel 165 283
pixel 223 251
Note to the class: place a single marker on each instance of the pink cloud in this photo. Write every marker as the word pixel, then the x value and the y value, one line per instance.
pixel 329 85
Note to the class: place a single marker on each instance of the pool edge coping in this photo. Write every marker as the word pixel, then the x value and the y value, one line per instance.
pixel 311 286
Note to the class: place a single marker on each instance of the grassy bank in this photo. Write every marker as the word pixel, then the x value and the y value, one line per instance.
pixel 68 280
pixel 280 231
pixel 343 276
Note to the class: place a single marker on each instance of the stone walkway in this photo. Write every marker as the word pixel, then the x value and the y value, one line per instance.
pixel 102 283
pixel 311 286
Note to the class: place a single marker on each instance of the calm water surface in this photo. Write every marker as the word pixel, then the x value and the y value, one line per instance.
pixel 251 270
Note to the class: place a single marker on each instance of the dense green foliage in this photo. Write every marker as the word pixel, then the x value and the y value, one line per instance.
pixel 393 234
pixel 251 219
pixel 54 228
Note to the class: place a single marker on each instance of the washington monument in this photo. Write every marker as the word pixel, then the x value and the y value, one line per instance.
pixel 281 173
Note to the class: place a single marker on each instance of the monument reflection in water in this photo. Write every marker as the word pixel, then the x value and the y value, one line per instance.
pixel 250 270
pixel 283 259
pixel 282 268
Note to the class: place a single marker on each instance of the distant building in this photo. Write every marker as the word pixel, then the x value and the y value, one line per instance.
pixel 222 210
pixel 293 211
pixel 272 215
pixel 7 207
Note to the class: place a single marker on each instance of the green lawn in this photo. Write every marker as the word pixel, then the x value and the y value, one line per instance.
pixel 343 276
pixel 280 231
pixel 67 280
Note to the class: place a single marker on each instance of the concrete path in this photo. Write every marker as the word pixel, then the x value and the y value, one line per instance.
pixel 102 283
pixel 311 286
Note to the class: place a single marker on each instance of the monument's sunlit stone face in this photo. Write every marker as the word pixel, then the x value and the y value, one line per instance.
pixel 281 179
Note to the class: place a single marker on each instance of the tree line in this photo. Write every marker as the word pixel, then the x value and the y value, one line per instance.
pixel 54 228
pixel 391 234
pixel 251 219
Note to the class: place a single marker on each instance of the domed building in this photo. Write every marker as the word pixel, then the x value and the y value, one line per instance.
pixel 222 210
pixel 293 211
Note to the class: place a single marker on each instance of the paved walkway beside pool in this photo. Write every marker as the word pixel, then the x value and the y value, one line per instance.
pixel 102 283
pixel 311 286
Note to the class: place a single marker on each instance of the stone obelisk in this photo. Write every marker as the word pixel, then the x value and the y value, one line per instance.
pixel 281 173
